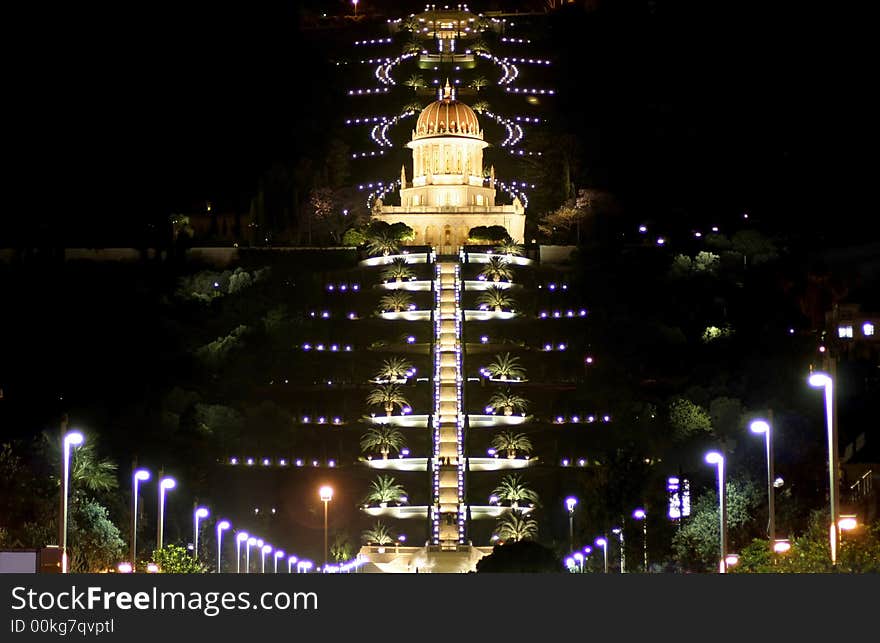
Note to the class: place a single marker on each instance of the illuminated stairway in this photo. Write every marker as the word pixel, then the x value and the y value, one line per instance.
pixel 448 462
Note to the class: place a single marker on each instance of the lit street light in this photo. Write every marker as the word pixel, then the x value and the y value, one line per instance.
pixel 278 554
pixel 290 561
pixel 265 550
pixel 164 485
pixel 326 494
pixel 713 457
pixel 71 439
pixel 579 557
pixel 763 426
pixel 240 537
pixel 603 543
pixel 199 513
pixel 247 558
pixel 824 380
pixel 570 503
pixel 355 3
pixel 138 476
pixel 640 514
pixel 222 526
pixel 618 531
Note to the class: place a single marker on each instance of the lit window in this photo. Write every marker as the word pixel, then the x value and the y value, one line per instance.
pixel 845 332
pixel 868 329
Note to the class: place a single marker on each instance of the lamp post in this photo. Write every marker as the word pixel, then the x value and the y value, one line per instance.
pixel 618 531
pixel 278 554
pixel 222 526
pixel 138 476
pixel 579 557
pixel 824 380
pixel 240 537
pixel 326 494
pixel 198 513
pixel 71 439
pixel 355 3
pixel 640 514
pixel 603 543
pixel 714 457
pixel 290 561
pixel 265 550
pixel 570 503
pixel 763 426
pixel 165 484
pixel 247 554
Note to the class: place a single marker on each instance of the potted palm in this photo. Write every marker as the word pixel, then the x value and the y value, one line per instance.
pixel 508 401
pixel 378 535
pixel 509 247
pixel 506 367
pixel 496 269
pixel 383 437
pixel 395 301
pixel 382 244
pixel 398 270
pixel 394 370
pixel 384 489
pixel 512 442
pixel 515 527
pixel 496 298
pixel 513 490
pixel 388 396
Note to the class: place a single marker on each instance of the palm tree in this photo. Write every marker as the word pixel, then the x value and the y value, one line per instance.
pixel 394 368
pixel 496 298
pixel 479 46
pixel 513 490
pixel 378 534
pixel 384 489
pixel 506 367
pixel 480 106
pixel 479 82
pixel 382 244
pixel 388 395
pixel 508 401
pixel 395 301
pixel 512 442
pixel 412 47
pixel 384 438
pixel 398 270
pixel 516 527
pixel 341 549
pixel 411 107
pixel 509 247
pixel 496 270
pixel 415 81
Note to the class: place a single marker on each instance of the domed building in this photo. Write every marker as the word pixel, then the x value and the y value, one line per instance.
pixel 448 194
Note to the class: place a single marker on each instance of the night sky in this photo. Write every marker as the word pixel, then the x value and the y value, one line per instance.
pixel 124 113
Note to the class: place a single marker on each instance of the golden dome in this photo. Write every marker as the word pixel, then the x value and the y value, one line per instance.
pixel 447 117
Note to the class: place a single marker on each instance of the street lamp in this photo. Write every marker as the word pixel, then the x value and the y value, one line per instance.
pixel 817 380
pixel 199 513
pixel 579 557
pixel 570 503
pixel 240 537
pixel 781 545
pixel 640 514
pixel 290 561
pixel 71 439
pixel 603 543
pixel 278 554
pixel 714 457
pixel 265 550
pixel 140 475
pixel 247 558
pixel 326 494
pixel 164 485
pixel 618 531
pixel 763 426
pixel 355 3
pixel 222 526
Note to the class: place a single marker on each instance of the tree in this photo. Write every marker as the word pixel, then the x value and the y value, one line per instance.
pixel 397 270
pixel 95 543
pixel 506 367
pixel 382 244
pixel 341 549
pixel 394 368
pixel 384 489
pixel 512 489
pixel 479 46
pixel 396 301
pixel 688 419
pixel 520 557
pixel 174 559
pixel 511 443
pixel 480 106
pixel 515 527
pixel 752 244
pixel 508 401
pixel 488 234
pixel 416 81
pixel 497 269
pixel 478 83
pixel 497 298
pixel 383 437
pixel 378 534
pixel 509 247
pixel 388 396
